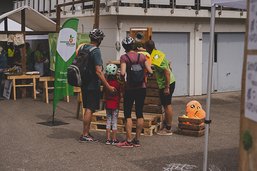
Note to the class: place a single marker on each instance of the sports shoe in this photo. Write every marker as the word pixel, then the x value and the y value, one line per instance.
pixel 125 144
pixel 136 143
pixel 87 138
pixel 108 142
pixel 164 131
pixel 115 142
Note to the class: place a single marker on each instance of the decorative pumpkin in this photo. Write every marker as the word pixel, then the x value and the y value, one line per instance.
pixel 194 110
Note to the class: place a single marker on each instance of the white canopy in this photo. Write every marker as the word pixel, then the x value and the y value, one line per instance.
pixel 238 4
pixel 34 20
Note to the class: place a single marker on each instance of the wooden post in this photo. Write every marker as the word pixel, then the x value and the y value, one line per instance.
pixel 58 18
pixel 5 24
pixel 23 49
pixel 248 125
pixel 97 13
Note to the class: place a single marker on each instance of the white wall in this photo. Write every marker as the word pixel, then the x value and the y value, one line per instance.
pixel 195 27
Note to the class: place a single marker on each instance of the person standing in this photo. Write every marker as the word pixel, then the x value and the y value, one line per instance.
pixel 91 90
pixel 133 92
pixel 3 66
pixel 166 83
pixel 112 101
pixel 10 55
pixel 39 60
pixel 29 60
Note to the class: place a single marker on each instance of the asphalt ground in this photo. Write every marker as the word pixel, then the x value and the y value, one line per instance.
pixel 26 145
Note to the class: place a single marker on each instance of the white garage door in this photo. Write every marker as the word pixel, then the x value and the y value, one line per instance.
pixel 228 61
pixel 176 48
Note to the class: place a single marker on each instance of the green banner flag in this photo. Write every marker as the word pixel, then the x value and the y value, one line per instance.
pixel 65 53
pixel 52 40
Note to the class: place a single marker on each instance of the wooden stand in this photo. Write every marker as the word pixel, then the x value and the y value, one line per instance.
pixel 45 81
pixel 190 127
pixel 23 77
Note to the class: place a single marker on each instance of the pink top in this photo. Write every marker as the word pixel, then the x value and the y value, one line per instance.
pixel 133 57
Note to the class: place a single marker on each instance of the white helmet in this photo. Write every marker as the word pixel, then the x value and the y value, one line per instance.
pixel 128 41
pixel 111 69
pixel 96 34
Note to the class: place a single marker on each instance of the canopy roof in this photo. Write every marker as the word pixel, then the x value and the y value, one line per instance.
pixel 238 4
pixel 34 20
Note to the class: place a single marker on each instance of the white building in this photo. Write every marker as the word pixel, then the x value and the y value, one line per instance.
pixel 180 29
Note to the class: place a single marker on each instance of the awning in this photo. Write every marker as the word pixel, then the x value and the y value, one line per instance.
pixel 34 20
pixel 237 4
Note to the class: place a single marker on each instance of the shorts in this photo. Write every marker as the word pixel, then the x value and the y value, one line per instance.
pixel 166 99
pixel 91 99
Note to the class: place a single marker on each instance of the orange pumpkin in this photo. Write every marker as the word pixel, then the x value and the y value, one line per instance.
pixel 194 110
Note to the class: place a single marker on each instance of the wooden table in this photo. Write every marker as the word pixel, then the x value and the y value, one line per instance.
pixel 45 81
pixel 23 77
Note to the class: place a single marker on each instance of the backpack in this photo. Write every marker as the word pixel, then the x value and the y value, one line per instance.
pixel 135 74
pixel 78 72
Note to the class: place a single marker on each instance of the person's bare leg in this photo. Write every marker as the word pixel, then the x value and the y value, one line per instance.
pixel 114 134
pixel 108 134
pixel 129 129
pixel 168 115
pixel 87 121
pixel 140 124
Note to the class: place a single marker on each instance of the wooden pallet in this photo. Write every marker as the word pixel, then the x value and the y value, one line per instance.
pixel 149 118
pixel 101 126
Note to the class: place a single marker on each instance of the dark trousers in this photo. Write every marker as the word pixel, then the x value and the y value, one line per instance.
pixel 131 96
pixel 1 85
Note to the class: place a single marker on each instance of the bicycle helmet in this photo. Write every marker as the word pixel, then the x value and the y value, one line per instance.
pixel 128 44
pixel 96 34
pixel 128 41
pixel 111 69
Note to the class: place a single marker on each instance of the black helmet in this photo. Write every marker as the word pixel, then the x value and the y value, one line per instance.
pixel 96 34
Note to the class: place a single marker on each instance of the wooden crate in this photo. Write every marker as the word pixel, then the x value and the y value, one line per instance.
pixel 191 127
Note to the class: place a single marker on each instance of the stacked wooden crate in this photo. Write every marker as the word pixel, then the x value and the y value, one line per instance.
pixel 152 111
pixel 190 126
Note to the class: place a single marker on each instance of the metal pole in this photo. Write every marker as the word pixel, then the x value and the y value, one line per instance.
pixel 209 86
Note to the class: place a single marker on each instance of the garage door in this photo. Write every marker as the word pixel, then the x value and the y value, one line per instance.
pixel 228 61
pixel 176 48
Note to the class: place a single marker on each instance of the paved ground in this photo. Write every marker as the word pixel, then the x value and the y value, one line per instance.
pixel 26 145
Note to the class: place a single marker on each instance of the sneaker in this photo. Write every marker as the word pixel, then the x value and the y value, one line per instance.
pixel 164 131
pixel 115 142
pixel 87 138
pixel 125 144
pixel 108 142
pixel 136 143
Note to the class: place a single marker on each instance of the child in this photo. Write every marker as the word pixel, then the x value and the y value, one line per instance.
pixel 112 101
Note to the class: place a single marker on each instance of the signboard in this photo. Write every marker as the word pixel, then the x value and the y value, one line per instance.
pixel 251 88
pixel 252 29
pixel 7 89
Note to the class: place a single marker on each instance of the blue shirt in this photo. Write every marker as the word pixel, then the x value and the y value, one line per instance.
pixel 95 59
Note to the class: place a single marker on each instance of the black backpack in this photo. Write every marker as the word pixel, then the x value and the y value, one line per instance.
pixel 135 74
pixel 79 72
